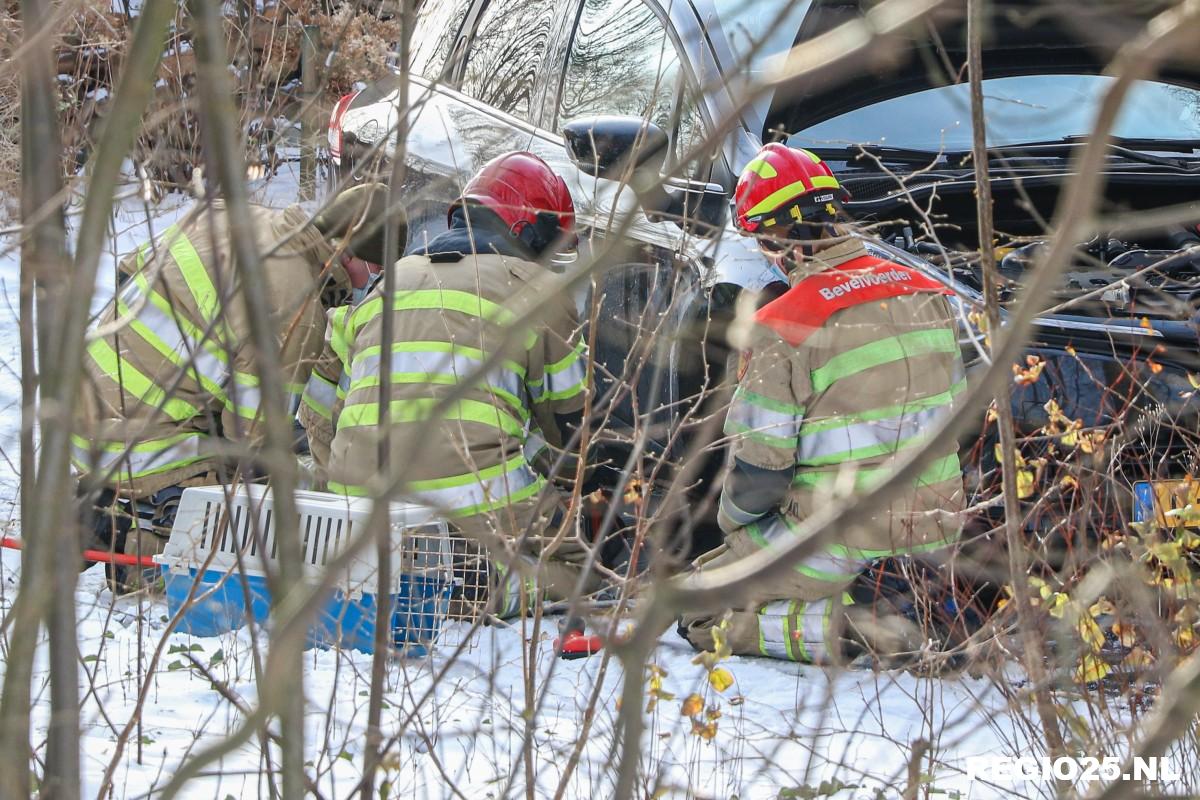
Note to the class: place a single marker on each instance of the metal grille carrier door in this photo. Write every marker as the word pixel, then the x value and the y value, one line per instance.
pixel 224 542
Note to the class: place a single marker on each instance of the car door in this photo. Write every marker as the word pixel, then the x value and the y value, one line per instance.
pixel 622 58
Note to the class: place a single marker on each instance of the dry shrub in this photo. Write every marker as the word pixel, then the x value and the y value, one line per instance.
pixel 364 44
pixel 10 115
pixel 264 42
pixel 88 41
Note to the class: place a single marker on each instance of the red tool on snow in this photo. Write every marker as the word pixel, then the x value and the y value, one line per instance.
pixel 94 556
pixel 574 641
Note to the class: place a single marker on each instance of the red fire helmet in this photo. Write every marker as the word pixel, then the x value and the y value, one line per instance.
pixel 517 187
pixel 783 179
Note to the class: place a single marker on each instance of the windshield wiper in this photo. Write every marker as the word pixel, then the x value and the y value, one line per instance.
pixel 1127 148
pixel 1131 149
pixel 894 155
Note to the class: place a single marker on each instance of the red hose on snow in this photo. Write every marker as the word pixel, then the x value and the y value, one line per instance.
pixel 99 556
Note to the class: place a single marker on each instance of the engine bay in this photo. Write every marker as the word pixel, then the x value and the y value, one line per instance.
pixel 1153 271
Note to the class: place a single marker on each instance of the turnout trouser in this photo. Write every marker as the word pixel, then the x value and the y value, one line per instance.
pixel 831 607
pixel 798 618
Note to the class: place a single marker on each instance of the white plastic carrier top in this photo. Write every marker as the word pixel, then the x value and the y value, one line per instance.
pixel 232 530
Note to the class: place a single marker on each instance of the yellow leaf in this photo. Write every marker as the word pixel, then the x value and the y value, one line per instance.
pixel 705 730
pixel 1068 482
pixel 1145 323
pixel 1091 634
pixel 1057 605
pixel 1091 669
pixel 1024 483
pixel 1167 552
pixel 720 679
pixel 692 705
pixel 1102 606
pixel 721 648
pixel 1138 658
pixel 1185 638
pixel 1025 377
pixel 1125 633
pixel 1194 381
pixel 1070 350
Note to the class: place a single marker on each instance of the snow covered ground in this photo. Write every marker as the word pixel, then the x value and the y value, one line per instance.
pixel 782 727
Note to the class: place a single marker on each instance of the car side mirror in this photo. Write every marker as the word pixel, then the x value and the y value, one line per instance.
pixel 610 147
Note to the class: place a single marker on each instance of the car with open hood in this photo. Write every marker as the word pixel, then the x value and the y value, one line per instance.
pixel 649 110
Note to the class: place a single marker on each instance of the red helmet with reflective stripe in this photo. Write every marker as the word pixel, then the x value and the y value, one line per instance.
pixel 523 191
pixel 779 182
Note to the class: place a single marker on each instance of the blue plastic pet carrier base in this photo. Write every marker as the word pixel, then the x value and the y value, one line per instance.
pixel 214 568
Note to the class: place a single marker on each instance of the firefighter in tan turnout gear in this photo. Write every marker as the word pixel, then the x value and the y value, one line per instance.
pixel 853 365
pixel 172 396
pixel 476 317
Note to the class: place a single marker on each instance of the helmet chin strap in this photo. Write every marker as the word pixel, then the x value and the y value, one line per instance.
pixel 540 234
pixel 807 236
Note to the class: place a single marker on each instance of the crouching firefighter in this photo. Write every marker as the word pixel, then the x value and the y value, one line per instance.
pixel 486 359
pixel 847 370
pixel 172 397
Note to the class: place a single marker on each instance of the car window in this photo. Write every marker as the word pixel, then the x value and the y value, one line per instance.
pixel 437 27
pixel 1020 109
pixel 621 62
pixel 1079 384
pixel 506 52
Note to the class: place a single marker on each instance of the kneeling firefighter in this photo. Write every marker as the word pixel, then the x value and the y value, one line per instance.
pixel 172 398
pixel 850 367
pixel 487 358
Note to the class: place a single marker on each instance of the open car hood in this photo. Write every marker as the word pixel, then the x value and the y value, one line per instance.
pixel 1023 37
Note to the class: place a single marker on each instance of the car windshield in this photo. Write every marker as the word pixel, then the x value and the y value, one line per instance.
pixel 1024 109
pixel 756 30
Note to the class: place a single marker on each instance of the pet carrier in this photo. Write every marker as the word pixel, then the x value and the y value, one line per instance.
pixel 224 542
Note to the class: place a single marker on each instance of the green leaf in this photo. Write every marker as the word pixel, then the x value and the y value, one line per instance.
pixel 87 659
pixel 346 755
pixel 216 658
pixel 174 666
pixel 109 635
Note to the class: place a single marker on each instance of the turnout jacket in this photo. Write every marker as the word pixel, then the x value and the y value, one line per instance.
pixel 179 369
pixel 458 318
pixel 852 366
